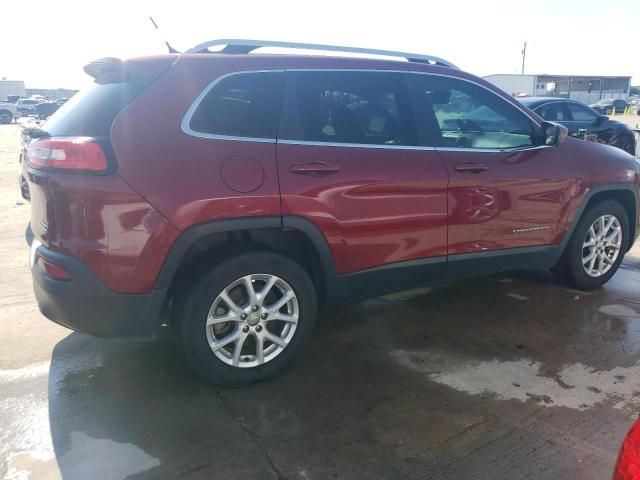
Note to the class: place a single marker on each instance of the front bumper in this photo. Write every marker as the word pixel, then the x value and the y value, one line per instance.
pixel 87 305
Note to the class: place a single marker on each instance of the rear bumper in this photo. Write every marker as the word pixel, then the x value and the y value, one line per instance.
pixel 87 305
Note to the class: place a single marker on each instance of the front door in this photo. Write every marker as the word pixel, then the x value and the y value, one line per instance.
pixel 505 190
pixel 349 162
pixel 586 124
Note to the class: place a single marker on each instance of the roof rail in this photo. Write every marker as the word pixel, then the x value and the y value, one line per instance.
pixel 235 45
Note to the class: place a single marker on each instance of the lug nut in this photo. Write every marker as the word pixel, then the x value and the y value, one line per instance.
pixel 263 316
pixel 245 329
pixel 254 308
pixel 243 316
pixel 258 328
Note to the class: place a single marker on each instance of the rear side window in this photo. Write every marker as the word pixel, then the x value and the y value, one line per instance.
pixel 554 112
pixel 90 112
pixel 240 105
pixel 366 108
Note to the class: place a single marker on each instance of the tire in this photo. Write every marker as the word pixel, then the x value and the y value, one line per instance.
pixel 627 144
pixel 197 340
pixel 608 111
pixel 570 268
pixel 5 117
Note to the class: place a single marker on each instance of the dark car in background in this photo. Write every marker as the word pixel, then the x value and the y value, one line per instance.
pixel 45 109
pixel 583 122
pixel 606 106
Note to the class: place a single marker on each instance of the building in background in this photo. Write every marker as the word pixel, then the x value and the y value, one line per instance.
pixel 584 88
pixel 51 93
pixel 16 88
pixel 11 87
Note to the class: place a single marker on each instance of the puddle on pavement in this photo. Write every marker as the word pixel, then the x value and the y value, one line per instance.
pixel 576 386
pixel 618 310
pixel 26 448
pixel 517 296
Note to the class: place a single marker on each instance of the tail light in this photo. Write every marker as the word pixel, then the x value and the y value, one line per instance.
pixel 67 153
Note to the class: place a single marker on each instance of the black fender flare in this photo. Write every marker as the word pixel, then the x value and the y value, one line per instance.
pixel 605 187
pixel 192 234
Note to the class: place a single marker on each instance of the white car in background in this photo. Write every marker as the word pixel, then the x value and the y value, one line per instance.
pixel 26 106
pixel 8 112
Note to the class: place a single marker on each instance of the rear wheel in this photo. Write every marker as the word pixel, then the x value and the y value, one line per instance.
pixel 597 246
pixel 247 319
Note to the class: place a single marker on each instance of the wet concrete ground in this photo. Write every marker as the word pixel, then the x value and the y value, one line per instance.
pixel 501 378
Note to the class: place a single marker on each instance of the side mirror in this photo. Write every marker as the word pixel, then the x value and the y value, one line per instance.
pixel 600 120
pixel 554 133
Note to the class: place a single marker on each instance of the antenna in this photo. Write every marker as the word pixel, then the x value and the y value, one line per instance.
pixel 171 49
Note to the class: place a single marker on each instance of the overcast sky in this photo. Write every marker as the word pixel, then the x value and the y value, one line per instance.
pixel 46 43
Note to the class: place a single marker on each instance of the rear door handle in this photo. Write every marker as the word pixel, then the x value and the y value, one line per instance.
pixel 315 169
pixel 471 167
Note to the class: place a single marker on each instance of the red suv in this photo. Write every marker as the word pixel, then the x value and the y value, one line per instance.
pixel 229 193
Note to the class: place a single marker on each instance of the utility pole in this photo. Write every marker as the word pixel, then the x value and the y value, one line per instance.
pixel 524 54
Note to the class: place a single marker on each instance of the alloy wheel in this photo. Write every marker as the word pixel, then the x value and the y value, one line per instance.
pixel 601 245
pixel 252 320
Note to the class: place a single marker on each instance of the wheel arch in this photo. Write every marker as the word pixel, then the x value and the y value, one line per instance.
pixel 625 193
pixel 292 236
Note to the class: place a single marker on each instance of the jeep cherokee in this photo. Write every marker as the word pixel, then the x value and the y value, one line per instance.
pixel 228 193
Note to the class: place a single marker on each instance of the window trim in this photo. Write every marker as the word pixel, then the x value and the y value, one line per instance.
pixel 186 120
pixel 185 125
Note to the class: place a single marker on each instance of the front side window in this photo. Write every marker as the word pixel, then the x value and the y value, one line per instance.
pixel 553 112
pixel 460 114
pixel 368 108
pixel 241 105
pixel 580 113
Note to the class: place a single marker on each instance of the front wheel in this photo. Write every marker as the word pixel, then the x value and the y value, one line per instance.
pixel 597 246
pixel 5 117
pixel 247 319
pixel 627 144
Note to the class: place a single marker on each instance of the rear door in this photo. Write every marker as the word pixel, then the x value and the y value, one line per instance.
pixel 505 190
pixel 349 161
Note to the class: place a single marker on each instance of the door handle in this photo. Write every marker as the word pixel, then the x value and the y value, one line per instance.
pixel 471 167
pixel 315 169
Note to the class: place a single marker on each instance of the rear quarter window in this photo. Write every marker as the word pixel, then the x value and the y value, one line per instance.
pixel 90 112
pixel 240 105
